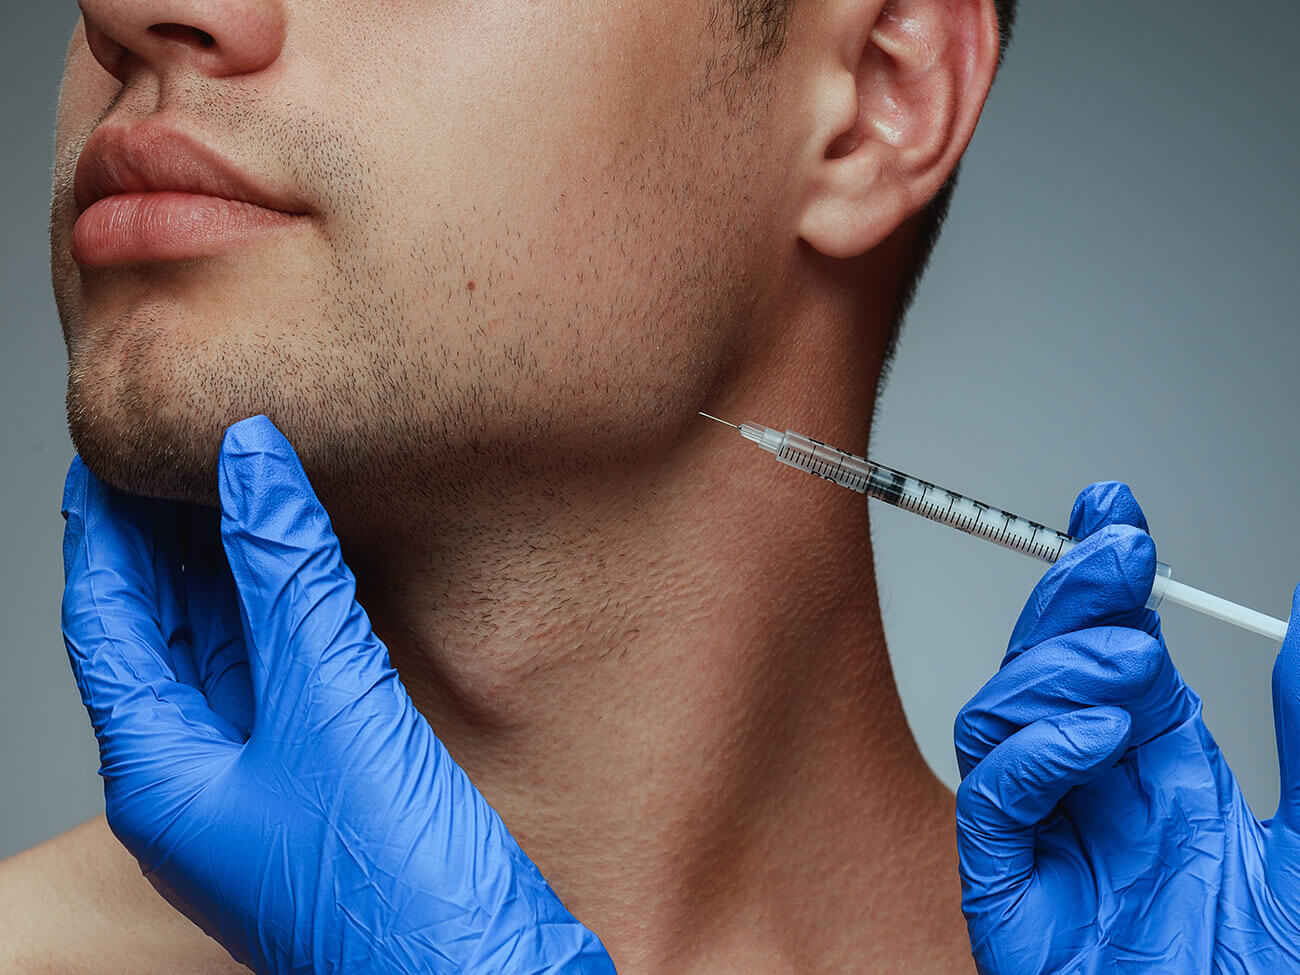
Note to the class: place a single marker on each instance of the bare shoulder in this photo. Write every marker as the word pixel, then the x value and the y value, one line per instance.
pixel 78 904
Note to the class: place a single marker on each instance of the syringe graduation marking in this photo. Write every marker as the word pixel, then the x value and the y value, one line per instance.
pixel 912 494
pixel 977 518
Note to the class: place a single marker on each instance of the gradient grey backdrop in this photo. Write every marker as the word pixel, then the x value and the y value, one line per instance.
pixel 1113 298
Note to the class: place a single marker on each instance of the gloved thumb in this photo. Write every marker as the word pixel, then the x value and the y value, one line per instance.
pixel 1104 581
pixel 297 597
pixel 1286 719
pixel 1105 503
pixel 1004 799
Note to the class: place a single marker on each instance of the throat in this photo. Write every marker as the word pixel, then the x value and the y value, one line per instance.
pixel 690 726
pixel 680 773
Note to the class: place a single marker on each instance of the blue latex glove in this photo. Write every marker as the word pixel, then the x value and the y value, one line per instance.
pixel 261 758
pixel 1099 828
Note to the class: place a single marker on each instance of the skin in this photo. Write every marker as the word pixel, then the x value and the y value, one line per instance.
pixel 538 238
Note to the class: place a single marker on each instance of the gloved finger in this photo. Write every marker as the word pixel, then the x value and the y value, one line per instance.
pixel 1005 797
pixel 302 623
pixel 158 547
pixel 1107 666
pixel 1097 507
pixel 1105 503
pixel 152 539
pixel 146 719
pixel 1286 719
pixel 216 647
pixel 1105 580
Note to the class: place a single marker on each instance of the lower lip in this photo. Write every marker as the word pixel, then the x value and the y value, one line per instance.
pixel 132 228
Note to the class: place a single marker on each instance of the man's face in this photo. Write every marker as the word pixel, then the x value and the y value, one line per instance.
pixel 526 232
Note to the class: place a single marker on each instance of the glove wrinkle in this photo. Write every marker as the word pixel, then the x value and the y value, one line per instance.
pixel 1151 861
pixel 261 758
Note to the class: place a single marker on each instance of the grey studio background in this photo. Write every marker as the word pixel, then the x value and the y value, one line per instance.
pixel 1114 297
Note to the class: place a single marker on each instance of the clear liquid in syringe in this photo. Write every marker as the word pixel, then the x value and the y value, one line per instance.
pixel 923 498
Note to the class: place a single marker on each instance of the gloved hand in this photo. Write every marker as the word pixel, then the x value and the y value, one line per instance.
pixel 261 758
pixel 1099 828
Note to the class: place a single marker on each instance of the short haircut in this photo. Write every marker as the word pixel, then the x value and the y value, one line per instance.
pixel 761 25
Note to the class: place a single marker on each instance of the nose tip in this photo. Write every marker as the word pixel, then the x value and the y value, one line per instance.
pixel 218 38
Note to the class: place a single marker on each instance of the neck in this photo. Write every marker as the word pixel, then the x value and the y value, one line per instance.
pixel 678 698
pixel 671 681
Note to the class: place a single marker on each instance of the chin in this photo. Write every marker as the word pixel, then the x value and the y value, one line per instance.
pixel 144 452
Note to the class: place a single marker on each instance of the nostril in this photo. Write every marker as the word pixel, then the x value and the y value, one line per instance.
pixel 184 34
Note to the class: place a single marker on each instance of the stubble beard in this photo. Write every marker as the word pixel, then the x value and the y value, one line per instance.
pixel 393 396
pixel 149 418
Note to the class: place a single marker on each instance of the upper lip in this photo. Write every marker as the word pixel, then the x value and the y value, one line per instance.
pixel 147 157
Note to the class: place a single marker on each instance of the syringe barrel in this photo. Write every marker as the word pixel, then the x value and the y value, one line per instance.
pixel 937 504
pixel 922 498
pixel 826 462
pixel 976 518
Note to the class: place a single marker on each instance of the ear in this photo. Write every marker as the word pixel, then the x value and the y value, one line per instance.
pixel 900 85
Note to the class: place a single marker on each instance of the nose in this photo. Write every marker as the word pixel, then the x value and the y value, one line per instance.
pixel 218 38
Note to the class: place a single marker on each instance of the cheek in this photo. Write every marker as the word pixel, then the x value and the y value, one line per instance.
pixel 539 220
pixel 531 121
pixel 547 164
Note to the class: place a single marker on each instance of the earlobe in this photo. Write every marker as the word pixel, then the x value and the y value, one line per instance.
pixel 899 99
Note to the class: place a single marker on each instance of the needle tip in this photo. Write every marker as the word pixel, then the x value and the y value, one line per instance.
pixel 716 420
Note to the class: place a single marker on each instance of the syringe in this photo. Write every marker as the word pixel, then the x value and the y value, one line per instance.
pixel 976 518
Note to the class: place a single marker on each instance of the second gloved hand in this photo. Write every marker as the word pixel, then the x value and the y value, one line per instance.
pixel 1099 828
pixel 261 758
